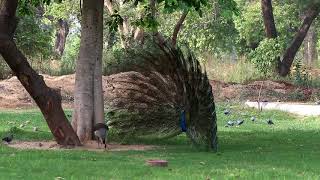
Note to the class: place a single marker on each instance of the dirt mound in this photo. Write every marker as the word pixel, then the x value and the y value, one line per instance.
pixel 90 146
pixel 13 95
pixel 267 90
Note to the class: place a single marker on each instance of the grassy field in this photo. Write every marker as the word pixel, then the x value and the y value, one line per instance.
pixel 287 150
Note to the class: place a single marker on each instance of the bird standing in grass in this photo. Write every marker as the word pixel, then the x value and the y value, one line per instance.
pixel 239 122
pixel 101 132
pixel 226 112
pixel 8 139
pixel 230 123
pixel 270 122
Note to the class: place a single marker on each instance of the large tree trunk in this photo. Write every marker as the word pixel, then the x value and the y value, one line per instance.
pixel 48 100
pixel 311 13
pixel 88 108
pixel 61 36
pixel 310 47
pixel 98 100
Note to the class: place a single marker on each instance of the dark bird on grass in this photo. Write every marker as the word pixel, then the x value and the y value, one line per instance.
pixel 270 122
pixel 253 118
pixel 226 112
pixel 8 138
pixel 239 122
pixel 230 123
pixel 101 133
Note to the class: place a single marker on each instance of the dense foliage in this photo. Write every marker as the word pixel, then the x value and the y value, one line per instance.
pixel 212 28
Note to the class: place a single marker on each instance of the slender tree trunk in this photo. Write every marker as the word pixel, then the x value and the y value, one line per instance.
pixel 88 108
pixel 48 100
pixel 177 28
pixel 268 19
pixel 311 13
pixel 310 47
pixel 61 36
pixel 269 24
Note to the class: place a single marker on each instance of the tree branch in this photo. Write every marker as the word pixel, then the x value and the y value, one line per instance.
pixel 311 13
pixel 177 28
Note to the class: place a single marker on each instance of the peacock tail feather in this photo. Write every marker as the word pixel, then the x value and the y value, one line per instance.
pixel 149 88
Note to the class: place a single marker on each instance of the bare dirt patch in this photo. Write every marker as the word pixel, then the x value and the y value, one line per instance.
pixel 89 146
pixel 13 95
pixel 270 91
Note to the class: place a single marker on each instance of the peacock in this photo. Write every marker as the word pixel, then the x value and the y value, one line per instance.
pixel 149 89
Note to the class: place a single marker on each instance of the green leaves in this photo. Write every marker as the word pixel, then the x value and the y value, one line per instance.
pixel 228 8
pixel 34 38
pixel 265 56
pixel 26 7
pixel 115 20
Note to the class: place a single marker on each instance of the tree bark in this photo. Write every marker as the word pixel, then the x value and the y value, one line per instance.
pixel 97 83
pixel 269 24
pixel 61 36
pixel 311 13
pixel 310 47
pixel 177 28
pixel 268 19
pixel 48 100
pixel 87 108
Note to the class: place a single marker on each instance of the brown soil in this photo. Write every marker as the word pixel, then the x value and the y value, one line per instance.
pixel 90 146
pixel 13 95
pixel 268 90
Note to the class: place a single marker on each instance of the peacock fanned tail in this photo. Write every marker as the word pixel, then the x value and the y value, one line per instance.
pixel 152 85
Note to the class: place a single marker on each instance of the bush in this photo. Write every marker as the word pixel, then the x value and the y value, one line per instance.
pixel 68 60
pixel 265 56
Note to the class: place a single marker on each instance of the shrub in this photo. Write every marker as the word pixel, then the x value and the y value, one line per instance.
pixel 265 56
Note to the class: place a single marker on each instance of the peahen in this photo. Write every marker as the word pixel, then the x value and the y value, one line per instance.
pixel 101 133
pixel 151 84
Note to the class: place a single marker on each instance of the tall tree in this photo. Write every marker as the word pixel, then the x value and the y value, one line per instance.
pixel 61 36
pixel 311 13
pixel 48 100
pixel 269 24
pixel 88 105
pixel 268 19
pixel 310 46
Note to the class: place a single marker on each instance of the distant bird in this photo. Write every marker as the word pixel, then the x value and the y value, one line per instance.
pixel 270 122
pixel 230 123
pixel 8 139
pixel 239 122
pixel 253 118
pixel 226 112
pixel 35 129
pixel 101 132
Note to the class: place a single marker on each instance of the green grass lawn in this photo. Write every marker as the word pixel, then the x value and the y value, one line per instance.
pixel 287 150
